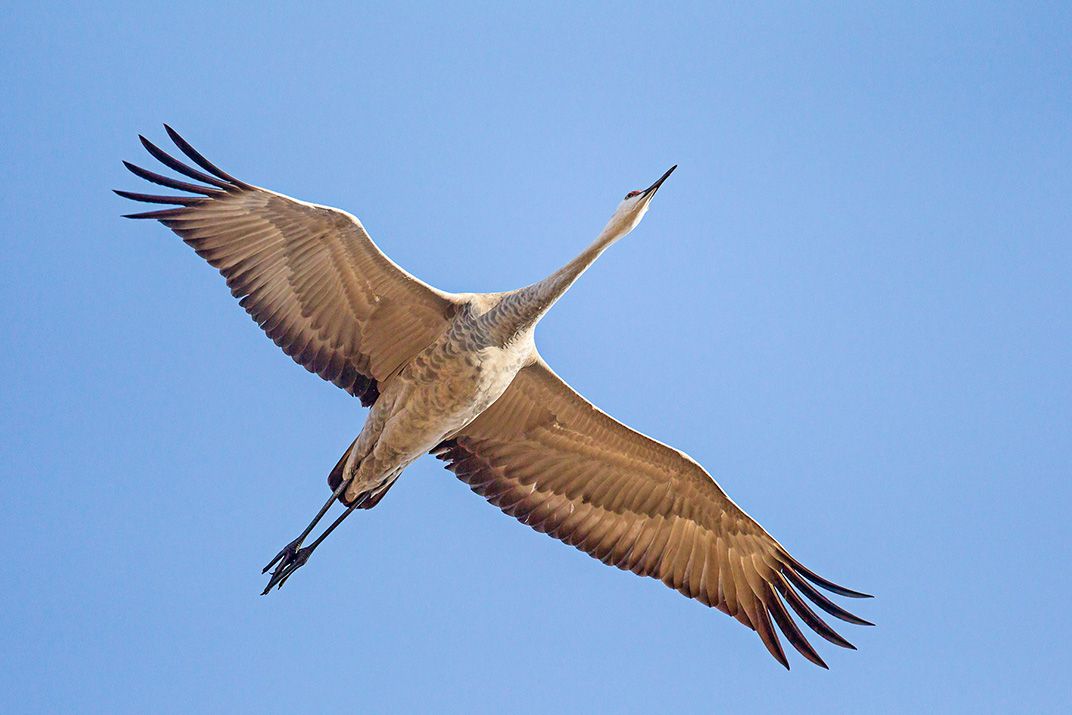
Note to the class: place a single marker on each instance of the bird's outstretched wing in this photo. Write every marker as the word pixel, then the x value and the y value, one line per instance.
pixel 309 275
pixel 546 456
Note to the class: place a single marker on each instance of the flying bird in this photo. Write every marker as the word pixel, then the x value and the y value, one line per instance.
pixel 459 375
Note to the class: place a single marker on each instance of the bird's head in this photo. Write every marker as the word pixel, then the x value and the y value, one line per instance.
pixel 632 208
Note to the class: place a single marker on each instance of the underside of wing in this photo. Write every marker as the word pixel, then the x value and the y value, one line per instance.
pixel 547 457
pixel 309 275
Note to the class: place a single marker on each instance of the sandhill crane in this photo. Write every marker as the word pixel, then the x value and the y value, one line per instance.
pixel 458 375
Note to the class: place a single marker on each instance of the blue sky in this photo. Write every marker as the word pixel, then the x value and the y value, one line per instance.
pixel 851 303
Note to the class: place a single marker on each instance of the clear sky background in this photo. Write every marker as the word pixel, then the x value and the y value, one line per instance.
pixel 851 303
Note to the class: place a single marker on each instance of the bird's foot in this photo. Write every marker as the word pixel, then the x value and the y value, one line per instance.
pixel 285 554
pixel 294 555
pixel 290 559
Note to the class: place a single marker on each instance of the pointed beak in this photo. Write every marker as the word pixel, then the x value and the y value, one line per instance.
pixel 650 191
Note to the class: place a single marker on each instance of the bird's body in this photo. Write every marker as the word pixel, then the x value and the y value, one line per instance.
pixel 459 375
pixel 439 391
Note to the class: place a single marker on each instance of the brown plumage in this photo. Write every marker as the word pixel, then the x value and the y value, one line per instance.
pixel 459 374
pixel 550 459
pixel 309 275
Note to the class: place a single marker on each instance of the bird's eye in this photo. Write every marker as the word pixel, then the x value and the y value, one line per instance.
pixel 631 194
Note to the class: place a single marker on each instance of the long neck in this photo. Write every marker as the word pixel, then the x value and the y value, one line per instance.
pixel 523 308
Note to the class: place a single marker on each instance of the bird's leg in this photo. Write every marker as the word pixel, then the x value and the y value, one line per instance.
pixel 296 559
pixel 290 549
pixel 292 555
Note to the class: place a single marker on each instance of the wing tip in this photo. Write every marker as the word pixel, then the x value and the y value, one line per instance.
pixel 157 199
pixel 186 148
pixel 163 214
pixel 816 597
pixel 824 582
pixel 161 180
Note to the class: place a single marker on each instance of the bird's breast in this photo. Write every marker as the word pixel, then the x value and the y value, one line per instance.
pixel 455 382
